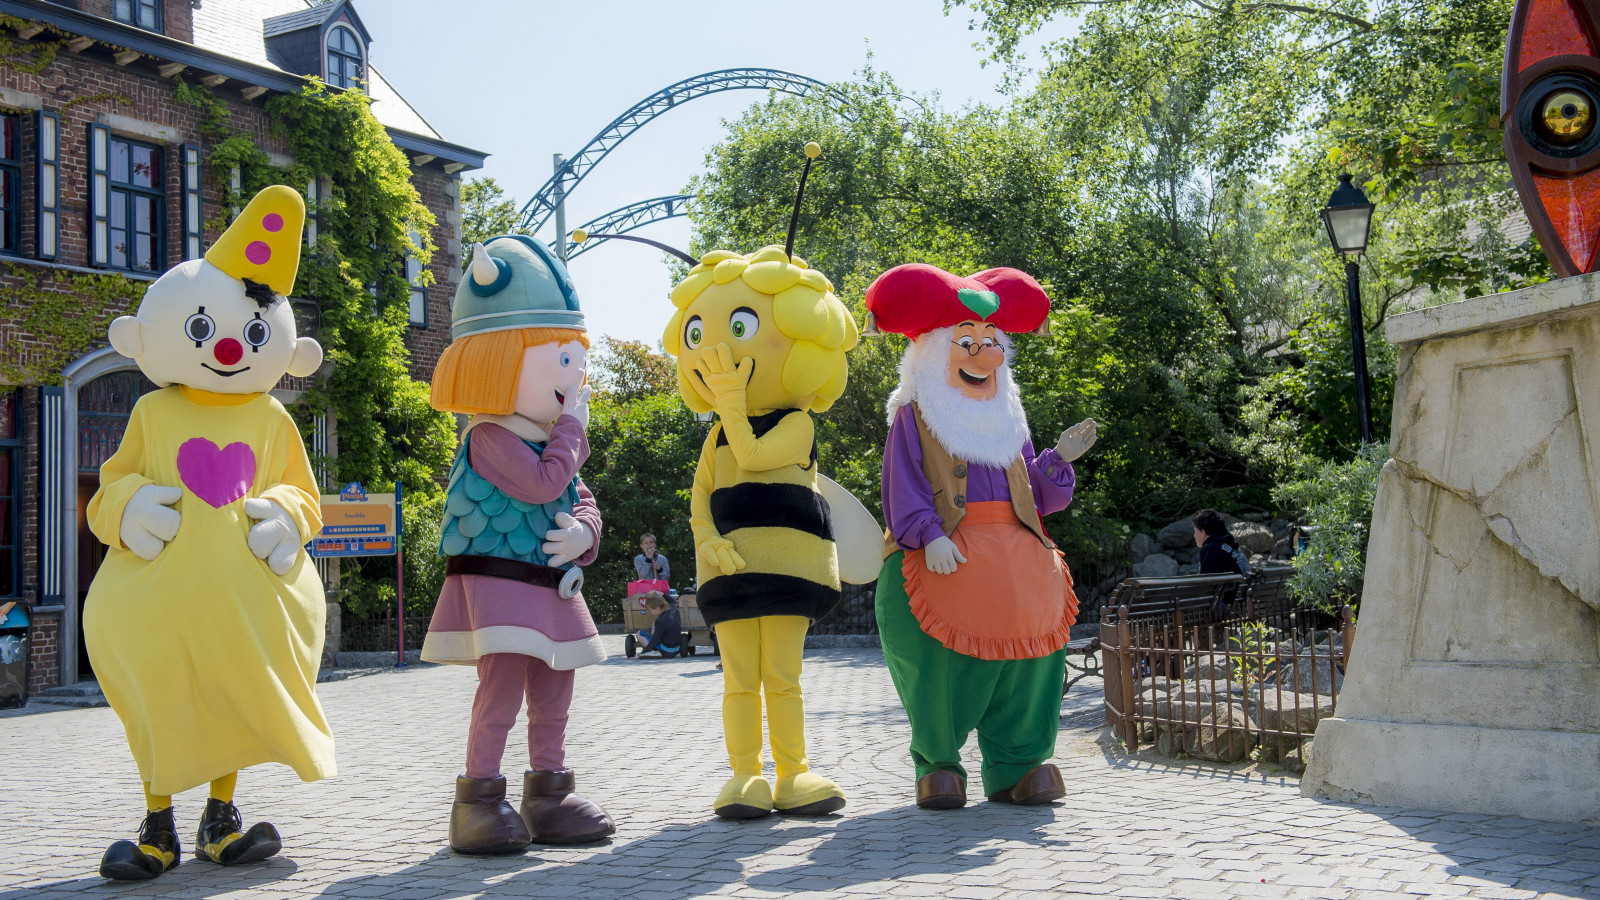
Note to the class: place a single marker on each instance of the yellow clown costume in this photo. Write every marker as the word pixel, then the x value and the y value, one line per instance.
pixel 205 623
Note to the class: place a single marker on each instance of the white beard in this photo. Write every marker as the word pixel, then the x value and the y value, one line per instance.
pixel 987 432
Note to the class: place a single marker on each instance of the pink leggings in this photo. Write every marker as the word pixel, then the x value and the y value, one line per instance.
pixel 503 678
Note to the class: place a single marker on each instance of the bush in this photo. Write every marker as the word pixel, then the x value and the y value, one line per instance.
pixel 1337 502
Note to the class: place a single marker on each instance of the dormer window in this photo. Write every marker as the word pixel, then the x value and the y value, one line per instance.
pixel 344 58
pixel 144 14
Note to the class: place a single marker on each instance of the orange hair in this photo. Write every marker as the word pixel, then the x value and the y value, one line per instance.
pixel 478 373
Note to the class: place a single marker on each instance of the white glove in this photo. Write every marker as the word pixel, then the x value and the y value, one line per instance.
pixel 274 538
pixel 570 539
pixel 1077 440
pixel 147 523
pixel 940 555
pixel 577 403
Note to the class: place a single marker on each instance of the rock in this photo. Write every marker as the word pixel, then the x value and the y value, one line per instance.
pixel 1186 555
pixel 1143 545
pixel 1282 529
pixel 1178 534
pixel 1254 538
pixel 1189 569
pixel 1301 674
pixel 1224 735
pixel 1284 549
pixel 1156 565
pixel 1288 711
pixel 1207 671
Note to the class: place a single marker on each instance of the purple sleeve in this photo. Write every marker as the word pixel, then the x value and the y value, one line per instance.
pixel 587 512
pixel 513 467
pixel 1052 479
pixel 907 496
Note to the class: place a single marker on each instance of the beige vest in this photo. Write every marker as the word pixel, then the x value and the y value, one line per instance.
pixel 948 477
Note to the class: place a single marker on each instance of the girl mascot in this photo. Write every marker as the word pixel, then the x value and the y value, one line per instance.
pixel 974 602
pixel 761 340
pixel 518 521
pixel 205 622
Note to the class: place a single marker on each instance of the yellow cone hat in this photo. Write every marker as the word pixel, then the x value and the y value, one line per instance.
pixel 263 244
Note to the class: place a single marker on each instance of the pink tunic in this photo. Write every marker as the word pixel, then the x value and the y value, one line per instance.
pixel 478 614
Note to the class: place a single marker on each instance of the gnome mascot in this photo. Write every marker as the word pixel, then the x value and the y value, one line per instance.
pixel 974 602
pixel 205 622
pixel 518 522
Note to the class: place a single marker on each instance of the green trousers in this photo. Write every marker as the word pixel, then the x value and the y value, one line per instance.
pixel 1015 704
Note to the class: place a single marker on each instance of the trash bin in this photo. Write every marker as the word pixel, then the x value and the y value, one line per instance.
pixel 13 655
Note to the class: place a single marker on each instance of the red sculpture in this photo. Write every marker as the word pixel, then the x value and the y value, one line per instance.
pixel 1549 107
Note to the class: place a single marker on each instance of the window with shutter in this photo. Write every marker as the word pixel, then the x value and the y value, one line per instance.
pixel 47 194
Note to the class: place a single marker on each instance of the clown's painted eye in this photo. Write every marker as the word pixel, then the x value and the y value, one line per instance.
pixel 694 333
pixel 199 327
pixel 744 323
pixel 566 360
pixel 257 332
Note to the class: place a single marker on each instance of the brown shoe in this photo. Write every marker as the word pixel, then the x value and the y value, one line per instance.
pixel 481 821
pixel 1039 786
pixel 556 815
pixel 941 790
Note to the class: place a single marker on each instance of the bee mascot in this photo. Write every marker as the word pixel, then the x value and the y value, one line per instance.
pixel 760 339
pixel 974 602
pixel 518 522
pixel 205 622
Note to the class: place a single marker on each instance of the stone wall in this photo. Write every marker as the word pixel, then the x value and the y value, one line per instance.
pixel 1477 663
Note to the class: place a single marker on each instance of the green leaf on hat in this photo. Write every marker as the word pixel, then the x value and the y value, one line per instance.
pixel 983 303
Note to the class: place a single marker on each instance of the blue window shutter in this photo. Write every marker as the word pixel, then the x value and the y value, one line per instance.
pixel 47 192
pixel 99 194
pixel 193 209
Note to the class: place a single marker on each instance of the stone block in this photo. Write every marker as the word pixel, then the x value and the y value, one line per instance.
pixel 1156 565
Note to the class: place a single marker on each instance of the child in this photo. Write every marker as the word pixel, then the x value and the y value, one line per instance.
pixel 666 637
pixel 205 623
pixel 650 564
pixel 517 522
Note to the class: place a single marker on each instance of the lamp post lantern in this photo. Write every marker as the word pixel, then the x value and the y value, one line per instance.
pixel 1348 217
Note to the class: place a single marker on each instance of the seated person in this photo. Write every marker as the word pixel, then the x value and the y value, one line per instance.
pixel 651 565
pixel 1220 553
pixel 666 637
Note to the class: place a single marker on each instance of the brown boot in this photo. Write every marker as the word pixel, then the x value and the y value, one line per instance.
pixel 941 790
pixel 482 822
pixel 1041 785
pixel 556 815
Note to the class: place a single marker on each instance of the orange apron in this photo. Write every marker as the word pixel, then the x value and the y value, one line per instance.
pixel 1011 599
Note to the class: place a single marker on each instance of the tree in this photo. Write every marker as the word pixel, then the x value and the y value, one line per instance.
pixel 486 212
pixel 625 371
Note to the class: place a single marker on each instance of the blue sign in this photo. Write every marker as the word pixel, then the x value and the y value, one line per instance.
pixel 352 492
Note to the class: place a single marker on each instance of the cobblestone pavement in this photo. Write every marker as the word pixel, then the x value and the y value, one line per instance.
pixel 646 743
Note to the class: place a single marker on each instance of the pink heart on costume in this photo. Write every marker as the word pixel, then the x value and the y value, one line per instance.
pixel 217 476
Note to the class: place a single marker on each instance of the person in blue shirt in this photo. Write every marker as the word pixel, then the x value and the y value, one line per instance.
pixel 651 565
pixel 666 636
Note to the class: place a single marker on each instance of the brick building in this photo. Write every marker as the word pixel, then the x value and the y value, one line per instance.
pixel 103 170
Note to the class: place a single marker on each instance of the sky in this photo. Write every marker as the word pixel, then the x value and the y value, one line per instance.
pixel 525 79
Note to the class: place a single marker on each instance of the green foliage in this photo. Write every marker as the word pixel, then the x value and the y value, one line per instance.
pixel 486 212
pixel 424 567
pixel 625 371
pixel 1256 643
pixel 1337 501
pixel 642 456
pixel 27 57
pixel 66 316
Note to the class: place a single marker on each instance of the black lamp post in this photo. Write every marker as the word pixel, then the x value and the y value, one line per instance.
pixel 1348 216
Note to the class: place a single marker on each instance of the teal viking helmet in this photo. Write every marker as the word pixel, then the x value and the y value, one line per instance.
pixel 514 282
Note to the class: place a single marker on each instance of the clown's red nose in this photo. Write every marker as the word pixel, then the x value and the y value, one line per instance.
pixel 228 351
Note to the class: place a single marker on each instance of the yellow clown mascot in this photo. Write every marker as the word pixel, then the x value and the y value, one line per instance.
pixel 205 622
pixel 760 339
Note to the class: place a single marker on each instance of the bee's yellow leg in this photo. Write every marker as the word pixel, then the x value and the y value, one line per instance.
pixel 799 790
pixel 746 794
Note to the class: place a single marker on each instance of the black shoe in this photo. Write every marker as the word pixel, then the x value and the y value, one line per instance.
pixel 221 841
pixel 157 851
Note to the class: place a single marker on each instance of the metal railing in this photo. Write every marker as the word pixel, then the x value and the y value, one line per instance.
pixel 1218 690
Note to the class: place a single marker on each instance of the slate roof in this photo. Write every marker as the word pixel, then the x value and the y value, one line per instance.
pixel 237 28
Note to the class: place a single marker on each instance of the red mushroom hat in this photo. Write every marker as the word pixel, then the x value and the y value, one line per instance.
pixel 917 298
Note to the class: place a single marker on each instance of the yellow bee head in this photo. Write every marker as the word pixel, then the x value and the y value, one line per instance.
pixel 769 308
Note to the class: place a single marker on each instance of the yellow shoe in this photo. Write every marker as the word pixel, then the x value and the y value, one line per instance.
pixel 744 797
pixel 808 794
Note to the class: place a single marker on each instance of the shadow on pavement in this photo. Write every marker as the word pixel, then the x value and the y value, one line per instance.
pixel 691 860
pixel 192 878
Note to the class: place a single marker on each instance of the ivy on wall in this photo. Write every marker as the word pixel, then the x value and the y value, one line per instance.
pixel 65 317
